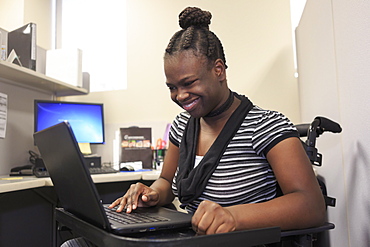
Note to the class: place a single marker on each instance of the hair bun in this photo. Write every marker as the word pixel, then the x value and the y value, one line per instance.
pixel 193 16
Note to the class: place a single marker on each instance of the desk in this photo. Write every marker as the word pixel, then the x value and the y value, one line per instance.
pixel 13 183
pixel 183 237
pixel 8 184
pixel 28 218
pixel 168 238
pixel 27 205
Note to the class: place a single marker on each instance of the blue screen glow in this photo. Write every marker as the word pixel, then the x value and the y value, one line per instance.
pixel 86 119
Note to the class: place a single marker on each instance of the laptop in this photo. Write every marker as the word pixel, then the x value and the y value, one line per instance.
pixel 77 192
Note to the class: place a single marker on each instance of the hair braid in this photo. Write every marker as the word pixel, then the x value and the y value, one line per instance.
pixel 219 46
pixel 172 41
pixel 195 35
pixel 211 44
pixel 188 37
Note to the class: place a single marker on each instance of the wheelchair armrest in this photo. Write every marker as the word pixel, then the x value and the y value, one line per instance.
pixel 325 227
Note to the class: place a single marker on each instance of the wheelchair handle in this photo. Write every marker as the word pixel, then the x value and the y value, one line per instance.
pixel 328 125
pixel 318 126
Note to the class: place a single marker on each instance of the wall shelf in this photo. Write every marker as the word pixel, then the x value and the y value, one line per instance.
pixel 14 74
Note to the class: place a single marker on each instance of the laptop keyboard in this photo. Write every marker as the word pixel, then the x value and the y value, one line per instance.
pixel 133 217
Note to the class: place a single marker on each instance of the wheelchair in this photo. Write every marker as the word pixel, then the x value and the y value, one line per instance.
pixel 312 236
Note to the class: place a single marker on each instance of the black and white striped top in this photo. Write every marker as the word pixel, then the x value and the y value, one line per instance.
pixel 243 174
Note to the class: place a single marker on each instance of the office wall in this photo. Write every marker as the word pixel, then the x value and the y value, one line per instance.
pixel 333 60
pixel 256 36
pixel 257 40
pixel 11 14
pixel 16 13
pixel 18 140
pixel 14 148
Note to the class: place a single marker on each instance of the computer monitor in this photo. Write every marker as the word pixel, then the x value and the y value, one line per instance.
pixel 86 119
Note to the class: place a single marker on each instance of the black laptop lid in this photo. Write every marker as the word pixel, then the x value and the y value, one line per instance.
pixel 71 179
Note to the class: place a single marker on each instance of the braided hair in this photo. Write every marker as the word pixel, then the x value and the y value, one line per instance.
pixel 195 35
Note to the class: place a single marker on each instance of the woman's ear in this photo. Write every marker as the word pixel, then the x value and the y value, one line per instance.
pixel 219 68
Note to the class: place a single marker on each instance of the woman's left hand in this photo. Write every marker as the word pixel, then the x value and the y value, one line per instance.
pixel 211 218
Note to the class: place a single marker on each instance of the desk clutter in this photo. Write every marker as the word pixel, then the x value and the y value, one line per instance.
pixel 137 153
pixel 93 163
pixel 36 168
pixel 136 146
pixel 19 47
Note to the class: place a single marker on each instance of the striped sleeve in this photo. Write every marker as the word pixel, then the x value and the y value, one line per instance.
pixel 270 129
pixel 178 128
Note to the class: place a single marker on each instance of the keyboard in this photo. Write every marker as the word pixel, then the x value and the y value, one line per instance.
pixel 133 217
pixel 102 170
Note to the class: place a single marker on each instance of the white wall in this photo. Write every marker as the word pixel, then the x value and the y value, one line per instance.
pixel 12 15
pixel 16 13
pixel 18 140
pixel 256 36
pixel 14 148
pixel 333 59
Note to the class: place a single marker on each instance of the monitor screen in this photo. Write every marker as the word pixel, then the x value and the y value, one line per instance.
pixel 86 119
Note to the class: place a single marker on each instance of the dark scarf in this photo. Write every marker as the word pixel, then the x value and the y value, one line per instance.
pixel 191 182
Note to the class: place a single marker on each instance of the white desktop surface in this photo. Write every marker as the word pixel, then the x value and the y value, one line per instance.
pixel 10 183
pixel 106 178
pixel 150 175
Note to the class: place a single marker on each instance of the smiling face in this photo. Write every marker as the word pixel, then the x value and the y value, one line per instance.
pixel 195 85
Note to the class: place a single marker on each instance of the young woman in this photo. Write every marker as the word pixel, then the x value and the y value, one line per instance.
pixel 227 158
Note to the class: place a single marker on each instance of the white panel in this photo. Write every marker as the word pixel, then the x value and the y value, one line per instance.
pixel 352 40
pixel 319 97
pixel 333 62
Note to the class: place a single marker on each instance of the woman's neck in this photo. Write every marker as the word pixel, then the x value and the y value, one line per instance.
pixel 224 107
pixel 221 119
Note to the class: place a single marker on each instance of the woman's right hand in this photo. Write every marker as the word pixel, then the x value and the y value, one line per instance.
pixel 138 195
